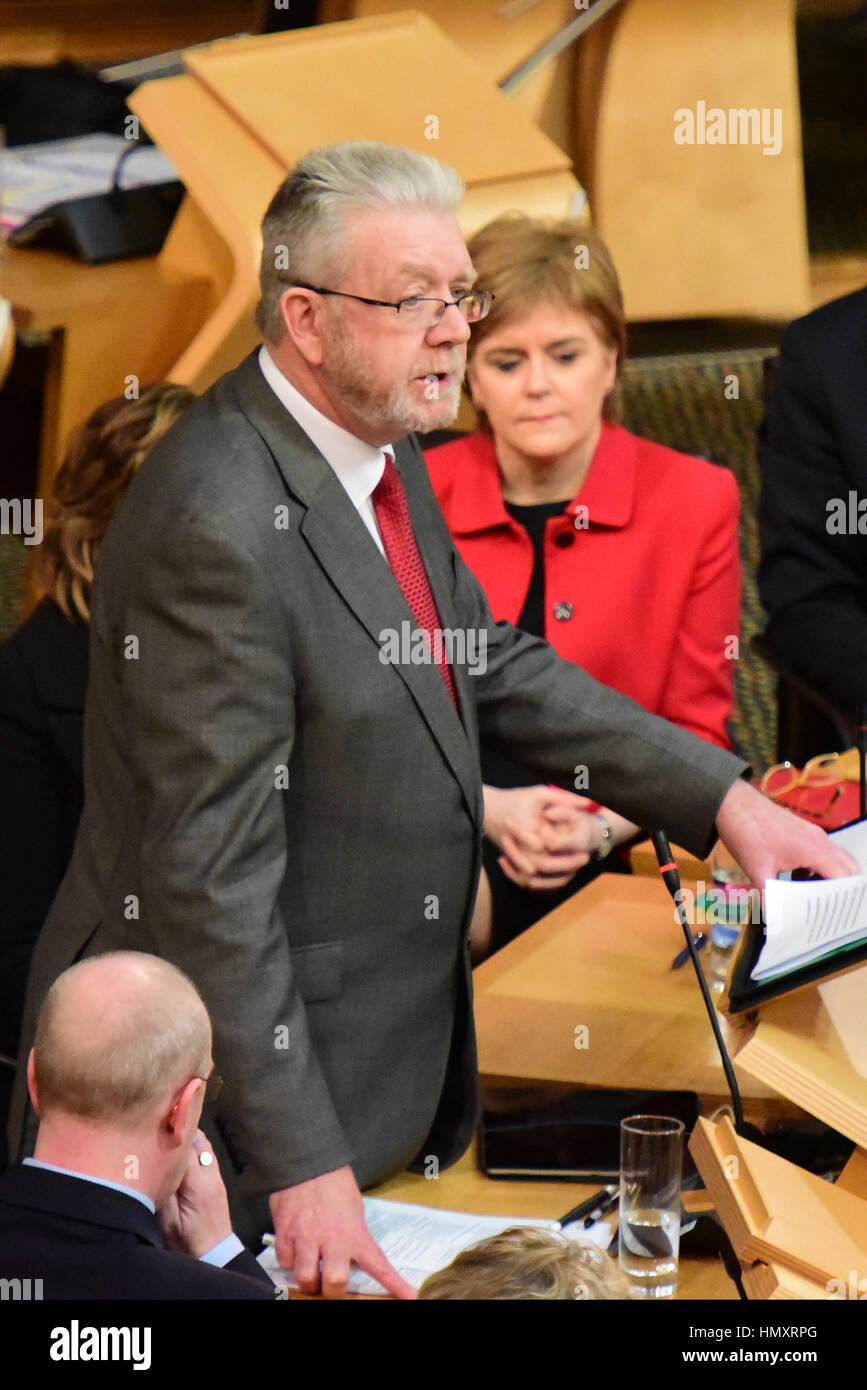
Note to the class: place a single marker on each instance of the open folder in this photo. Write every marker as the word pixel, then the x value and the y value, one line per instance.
pixel 812 929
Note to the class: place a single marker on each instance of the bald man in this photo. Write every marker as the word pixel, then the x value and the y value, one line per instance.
pixel 123 1197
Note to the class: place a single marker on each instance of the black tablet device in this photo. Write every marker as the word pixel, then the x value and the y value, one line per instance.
pixel 568 1133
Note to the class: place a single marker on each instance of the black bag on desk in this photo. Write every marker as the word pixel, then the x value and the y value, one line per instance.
pixel 108 226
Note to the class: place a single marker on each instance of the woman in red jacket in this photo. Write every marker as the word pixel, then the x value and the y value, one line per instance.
pixel 619 551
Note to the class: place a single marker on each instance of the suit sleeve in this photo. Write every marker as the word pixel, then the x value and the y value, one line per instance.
pixel 555 719
pixel 699 685
pixel 210 700
pixel 812 581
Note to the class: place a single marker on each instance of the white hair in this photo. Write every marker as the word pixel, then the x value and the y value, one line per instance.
pixel 303 228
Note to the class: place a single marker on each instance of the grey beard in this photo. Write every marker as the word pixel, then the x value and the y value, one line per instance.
pixel 393 411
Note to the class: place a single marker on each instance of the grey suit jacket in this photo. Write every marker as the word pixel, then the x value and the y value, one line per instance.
pixel 295 822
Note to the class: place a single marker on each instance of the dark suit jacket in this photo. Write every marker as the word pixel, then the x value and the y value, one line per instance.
pixel 87 1241
pixel 43 678
pixel 812 449
pixel 295 821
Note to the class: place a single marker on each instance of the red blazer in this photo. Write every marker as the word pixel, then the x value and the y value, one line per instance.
pixel 645 596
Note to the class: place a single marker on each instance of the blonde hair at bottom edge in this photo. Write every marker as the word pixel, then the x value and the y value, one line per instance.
pixel 528 1262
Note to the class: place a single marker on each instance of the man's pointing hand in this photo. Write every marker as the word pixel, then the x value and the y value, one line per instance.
pixel 321 1232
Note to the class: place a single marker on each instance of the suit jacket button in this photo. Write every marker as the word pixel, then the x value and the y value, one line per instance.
pixel 563 612
pixel 564 539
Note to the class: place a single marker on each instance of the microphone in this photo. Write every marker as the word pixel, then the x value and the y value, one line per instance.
pixel 671 878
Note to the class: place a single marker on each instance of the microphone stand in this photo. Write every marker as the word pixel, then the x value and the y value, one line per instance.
pixel 553 47
pixel 671 878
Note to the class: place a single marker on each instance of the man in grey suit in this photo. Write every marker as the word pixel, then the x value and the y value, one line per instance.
pixel 282 796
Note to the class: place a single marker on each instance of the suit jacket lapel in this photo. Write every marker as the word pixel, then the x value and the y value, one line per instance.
pixel 339 539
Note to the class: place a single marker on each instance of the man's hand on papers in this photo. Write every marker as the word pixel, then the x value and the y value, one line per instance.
pixel 320 1231
pixel 765 838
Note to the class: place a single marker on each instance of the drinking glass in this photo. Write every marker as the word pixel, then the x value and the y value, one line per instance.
pixel 651 1159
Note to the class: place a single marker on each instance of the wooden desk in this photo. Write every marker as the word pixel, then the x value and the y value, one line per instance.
pixel 603 960
pixel 465 1188
pixel 106 323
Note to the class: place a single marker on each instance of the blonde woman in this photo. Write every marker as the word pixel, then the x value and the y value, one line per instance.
pixel 622 553
pixel 43 675
pixel 529 1262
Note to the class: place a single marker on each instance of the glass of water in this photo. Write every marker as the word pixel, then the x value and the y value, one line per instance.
pixel 651 1160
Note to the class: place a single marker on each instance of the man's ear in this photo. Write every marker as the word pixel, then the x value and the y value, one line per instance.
pixel 31 1082
pixel 177 1120
pixel 302 315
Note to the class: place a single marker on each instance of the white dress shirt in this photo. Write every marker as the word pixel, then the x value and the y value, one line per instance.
pixel 359 466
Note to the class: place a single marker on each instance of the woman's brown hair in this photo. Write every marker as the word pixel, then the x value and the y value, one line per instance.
pixel 103 457
pixel 528 262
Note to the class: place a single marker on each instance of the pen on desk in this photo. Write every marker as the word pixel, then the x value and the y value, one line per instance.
pixel 603 1208
pixel 699 940
pixel 589 1204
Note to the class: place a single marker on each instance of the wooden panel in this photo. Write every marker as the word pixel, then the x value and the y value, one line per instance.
pixel 854 1176
pixel 403 58
pixel 833 276
pixel 498 45
pixel 778 1213
pixel 812 1047
pixel 545 195
pixel 696 230
pixel 233 177
pixel 775 1282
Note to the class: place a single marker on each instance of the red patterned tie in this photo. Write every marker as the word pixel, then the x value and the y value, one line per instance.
pixel 395 528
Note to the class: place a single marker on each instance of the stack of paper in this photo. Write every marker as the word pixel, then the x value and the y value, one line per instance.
pixel 420 1240
pixel 808 921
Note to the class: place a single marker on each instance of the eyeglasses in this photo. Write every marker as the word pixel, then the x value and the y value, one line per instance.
pixel 213 1087
pixel 474 305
